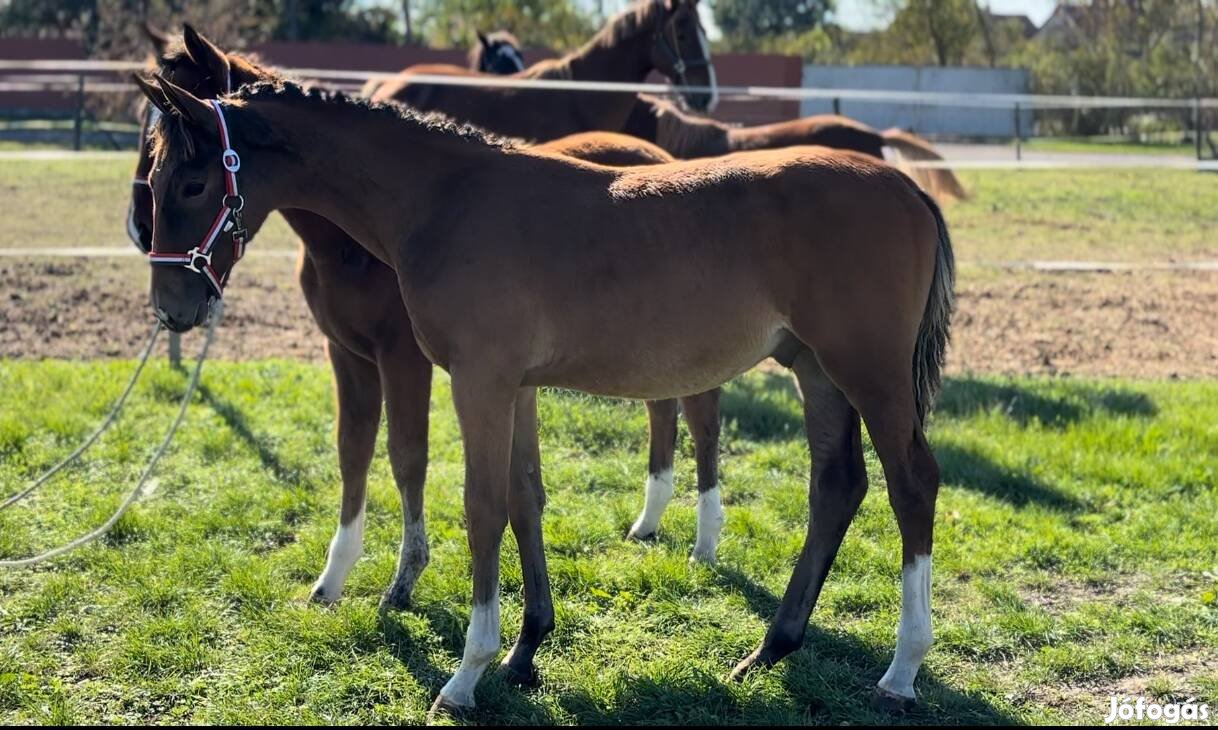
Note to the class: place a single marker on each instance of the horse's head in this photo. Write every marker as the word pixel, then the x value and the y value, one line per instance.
pixel 195 64
pixel 682 53
pixel 497 53
pixel 203 210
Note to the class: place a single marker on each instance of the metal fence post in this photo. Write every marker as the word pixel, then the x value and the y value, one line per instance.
pixel 80 112
pixel 1018 134
pixel 837 106
pixel 175 350
pixel 1197 125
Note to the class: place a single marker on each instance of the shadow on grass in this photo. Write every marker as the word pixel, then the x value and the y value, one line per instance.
pixel 765 407
pixel 260 444
pixel 959 466
pixel 964 397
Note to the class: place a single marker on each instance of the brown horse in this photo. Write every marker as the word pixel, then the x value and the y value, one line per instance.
pixel 496 53
pixel 687 137
pixel 651 35
pixel 521 269
pixel 355 301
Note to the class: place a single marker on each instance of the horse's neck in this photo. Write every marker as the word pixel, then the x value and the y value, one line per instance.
pixel 627 60
pixel 689 138
pixel 371 174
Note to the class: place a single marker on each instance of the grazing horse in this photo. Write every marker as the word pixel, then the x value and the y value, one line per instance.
pixel 354 300
pixel 651 35
pixel 497 53
pixel 523 269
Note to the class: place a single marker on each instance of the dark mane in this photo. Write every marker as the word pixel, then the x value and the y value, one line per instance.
pixel 171 134
pixel 644 16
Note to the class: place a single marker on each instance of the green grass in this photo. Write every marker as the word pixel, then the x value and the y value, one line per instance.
pixel 1107 145
pixel 1075 529
pixel 1112 215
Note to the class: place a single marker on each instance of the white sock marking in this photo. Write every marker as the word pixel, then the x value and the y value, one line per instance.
pixel 481 646
pixel 710 523
pixel 656 496
pixel 913 634
pixel 345 549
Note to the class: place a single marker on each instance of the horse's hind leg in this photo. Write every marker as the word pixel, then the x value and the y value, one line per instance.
pixel 526 501
pixel 838 485
pixel 406 381
pixel 702 415
pixel 913 485
pixel 358 393
pixel 662 429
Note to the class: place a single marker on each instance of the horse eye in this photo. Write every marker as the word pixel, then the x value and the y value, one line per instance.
pixel 192 190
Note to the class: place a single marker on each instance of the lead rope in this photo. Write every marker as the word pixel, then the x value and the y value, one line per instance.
pixel 135 493
pixel 108 421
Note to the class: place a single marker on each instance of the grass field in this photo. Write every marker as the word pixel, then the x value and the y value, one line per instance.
pixel 1112 215
pixel 1075 558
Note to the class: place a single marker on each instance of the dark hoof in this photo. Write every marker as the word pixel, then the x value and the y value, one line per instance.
pixel 319 597
pixel 527 676
pixel 442 708
pixel 649 537
pixel 395 602
pixel 757 660
pixel 887 702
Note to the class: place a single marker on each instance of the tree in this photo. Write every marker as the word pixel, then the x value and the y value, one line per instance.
pixel 756 24
pixel 934 31
pixel 556 24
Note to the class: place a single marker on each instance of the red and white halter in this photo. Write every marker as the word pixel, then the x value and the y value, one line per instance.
pixel 227 220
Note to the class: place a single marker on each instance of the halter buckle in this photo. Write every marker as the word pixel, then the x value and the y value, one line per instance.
pixel 195 255
pixel 230 159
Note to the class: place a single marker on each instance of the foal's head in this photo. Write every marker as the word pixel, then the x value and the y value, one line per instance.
pixel 496 53
pixel 195 64
pixel 199 188
pixel 681 52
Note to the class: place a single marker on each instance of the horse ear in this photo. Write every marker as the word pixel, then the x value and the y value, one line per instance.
pixel 153 92
pixel 209 58
pixel 157 37
pixel 188 107
pixel 486 43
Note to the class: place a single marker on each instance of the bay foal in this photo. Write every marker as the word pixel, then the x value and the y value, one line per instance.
pixel 496 53
pixel 521 269
pixel 355 302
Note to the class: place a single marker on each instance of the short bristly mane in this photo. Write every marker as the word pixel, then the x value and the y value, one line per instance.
pixel 170 135
pixel 682 134
pixel 642 17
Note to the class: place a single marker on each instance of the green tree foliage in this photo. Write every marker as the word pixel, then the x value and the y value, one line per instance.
pixel 771 25
pixel 556 24
pixel 922 32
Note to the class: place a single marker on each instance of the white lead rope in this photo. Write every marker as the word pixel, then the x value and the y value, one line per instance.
pixel 109 420
pixel 135 493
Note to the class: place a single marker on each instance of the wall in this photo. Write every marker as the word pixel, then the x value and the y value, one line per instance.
pixel 937 120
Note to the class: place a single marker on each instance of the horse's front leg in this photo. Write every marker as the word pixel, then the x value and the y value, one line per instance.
pixel 485 410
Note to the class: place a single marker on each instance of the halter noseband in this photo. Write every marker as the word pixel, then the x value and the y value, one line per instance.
pixel 198 259
pixel 679 64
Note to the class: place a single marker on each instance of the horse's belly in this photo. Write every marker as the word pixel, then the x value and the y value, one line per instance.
pixel 667 367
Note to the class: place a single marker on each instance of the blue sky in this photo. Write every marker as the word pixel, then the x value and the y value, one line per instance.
pixel 861 14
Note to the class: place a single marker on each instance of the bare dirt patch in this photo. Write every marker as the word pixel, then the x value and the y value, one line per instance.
pixel 1146 324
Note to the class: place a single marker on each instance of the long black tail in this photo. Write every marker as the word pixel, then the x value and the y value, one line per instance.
pixel 935 330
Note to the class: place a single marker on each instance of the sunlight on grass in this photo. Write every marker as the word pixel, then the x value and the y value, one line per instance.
pixel 1075 550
